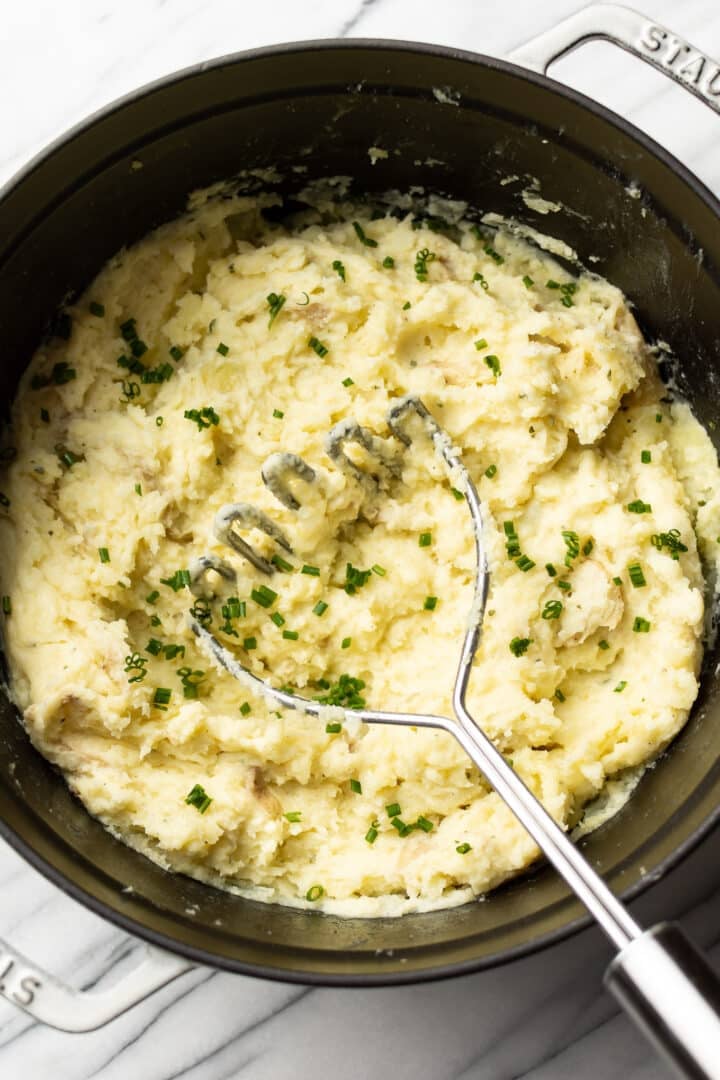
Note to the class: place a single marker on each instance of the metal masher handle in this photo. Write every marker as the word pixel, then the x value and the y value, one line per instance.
pixel 658 976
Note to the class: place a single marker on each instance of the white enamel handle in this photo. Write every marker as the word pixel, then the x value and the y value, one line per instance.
pixel 51 1002
pixel 635 33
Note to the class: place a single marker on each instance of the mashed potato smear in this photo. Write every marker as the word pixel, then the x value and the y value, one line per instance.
pixel 230 335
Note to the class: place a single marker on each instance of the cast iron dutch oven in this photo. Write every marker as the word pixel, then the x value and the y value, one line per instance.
pixel 321 105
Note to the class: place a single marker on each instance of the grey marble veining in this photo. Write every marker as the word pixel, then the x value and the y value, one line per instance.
pixel 542 1018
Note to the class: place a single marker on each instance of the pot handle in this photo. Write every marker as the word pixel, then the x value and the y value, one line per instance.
pixel 51 1002
pixel 633 32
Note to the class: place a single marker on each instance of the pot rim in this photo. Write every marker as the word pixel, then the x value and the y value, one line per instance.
pixel 443 971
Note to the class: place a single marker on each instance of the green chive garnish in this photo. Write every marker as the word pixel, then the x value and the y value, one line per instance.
pixel 282 564
pixel 277 618
pixel 356 786
pixel 360 233
pixel 604 645
pixel 640 625
pixel 348 381
pixel 339 269
pixel 314 893
pixel 481 344
pixel 393 810
pixel 388 262
pixel 494 364
pixel 371 835
pixel 278 414
pixel 294 816
pixel 198 798
pixel 551 569
pixel 333 729
pixel 320 608
pixel 552 609
pixel 519 646
pixel 7 605
pixel 425 539
pixel 491 471
pixel 249 643
pixel 346 643
pixel 639 507
pixel 494 255
pixel 161 698
pixel 245 708
pixel 430 603
pixel 96 309
pixel 312 571
pixel 645 457
pixel 635 573
pixel 153 597
pixel 264 596
pixel 528 281
pixel 620 687
pixel 462 849
pixel 104 555
pixel 223 349
pixel 379 570
pixel 291 635
pixel 318 347
pixel 275 302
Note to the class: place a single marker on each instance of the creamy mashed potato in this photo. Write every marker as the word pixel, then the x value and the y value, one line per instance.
pixel 223 338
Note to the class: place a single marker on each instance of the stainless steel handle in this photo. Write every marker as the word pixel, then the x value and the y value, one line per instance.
pixel 635 33
pixel 50 1001
pixel 673 995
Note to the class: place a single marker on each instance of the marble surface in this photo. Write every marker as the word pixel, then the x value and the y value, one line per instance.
pixel 545 1017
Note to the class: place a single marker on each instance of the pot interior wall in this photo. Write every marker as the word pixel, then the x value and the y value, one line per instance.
pixel 457 127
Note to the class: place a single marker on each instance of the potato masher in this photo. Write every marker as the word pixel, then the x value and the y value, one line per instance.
pixel 657 975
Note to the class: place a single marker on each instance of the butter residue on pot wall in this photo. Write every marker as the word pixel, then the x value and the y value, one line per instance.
pixel 548 387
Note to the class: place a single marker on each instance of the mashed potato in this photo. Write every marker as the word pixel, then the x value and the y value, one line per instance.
pixel 223 338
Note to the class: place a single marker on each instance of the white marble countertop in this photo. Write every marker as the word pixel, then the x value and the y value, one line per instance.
pixel 545 1017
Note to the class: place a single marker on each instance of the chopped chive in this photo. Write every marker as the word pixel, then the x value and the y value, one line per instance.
pixel 153 597
pixel 204 418
pixel 462 849
pixel 198 798
pixel 388 262
pixel 7 605
pixel 552 572
pixel 559 695
pixel 339 269
pixel 96 309
pixel 393 810
pixel 378 569
pixel 519 646
pixel 671 540
pixel 406 306
pixel 291 635
pixel 401 826
pixel 223 349
pixel 348 381
pixel 494 255
pixel 658 418
pixel 245 708
pixel 277 618
pixel 425 539
pixel 282 564
pixel 314 893
pixel 360 233
pixel 176 352
pixel 639 507
pixel 161 697
pixel 138 489
pixel 564 585
pixel 278 414
pixel 640 625
pixel 104 555
pixel 264 596
pixel 572 544
pixel 320 608
pixel 249 643
pixel 477 276
pixel 155 620
pixel 275 302
pixel 422 258
pixel 371 835
pixel 346 643
pixel 603 644
pixel 620 687
pixel 645 457
pixel 552 609
pixel 617 581
pixel 346 692
pixel 424 824
pixel 635 573
pixel 159 421
pixel 333 729
pixel 494 364
pixel 528 281
pixel 430 603
pixel 491 471
pixel 588 546
pixel 293 816
pixel 179 580
pixel 318 347
pixel 524 563
pixel 312 571
pixel 552 284
pixel 356 786
pixel 457 495
pixel 481 344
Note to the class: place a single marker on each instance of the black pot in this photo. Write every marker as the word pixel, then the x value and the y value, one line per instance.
pixel 321 105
